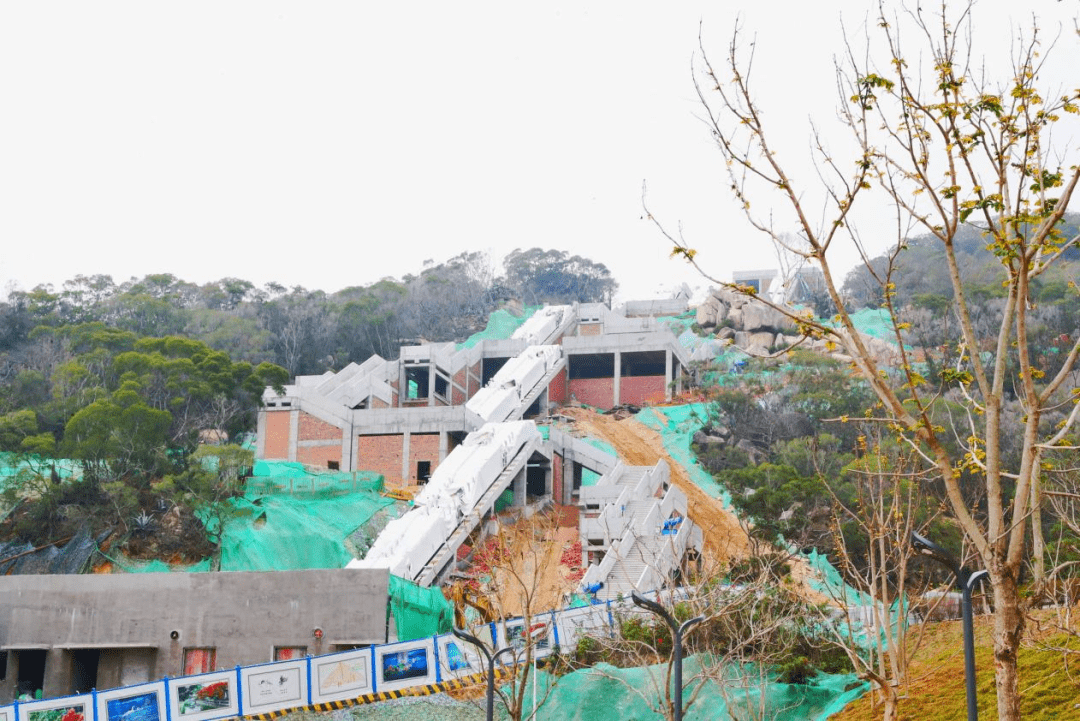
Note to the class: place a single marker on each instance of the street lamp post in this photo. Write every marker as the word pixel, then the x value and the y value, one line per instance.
pixel 966 581
pixel 677 632
pixel 491 658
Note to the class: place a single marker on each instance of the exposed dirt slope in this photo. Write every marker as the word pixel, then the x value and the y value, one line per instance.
pixel 639 445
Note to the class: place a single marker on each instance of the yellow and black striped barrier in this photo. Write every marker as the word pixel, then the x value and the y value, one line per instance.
pixel 425 690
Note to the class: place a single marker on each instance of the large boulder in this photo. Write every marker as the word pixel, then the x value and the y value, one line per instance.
pixel 764 339
pixel 757 316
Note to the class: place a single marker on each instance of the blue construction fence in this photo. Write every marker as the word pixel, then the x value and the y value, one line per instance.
pixel 275 686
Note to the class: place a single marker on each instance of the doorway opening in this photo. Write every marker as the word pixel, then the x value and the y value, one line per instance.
pixel 84 668
pixel 31 673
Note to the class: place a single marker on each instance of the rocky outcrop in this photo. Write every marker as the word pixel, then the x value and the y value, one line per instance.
pixel 759 329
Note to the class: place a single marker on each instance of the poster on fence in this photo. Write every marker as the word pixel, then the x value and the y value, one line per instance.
pixel 134 703
pixel 540 633
pixel 5 714
pixel 457 658
pixel 208 696
pixel 72 708
pixel 341 675
pixel 275 685
pixel 403 665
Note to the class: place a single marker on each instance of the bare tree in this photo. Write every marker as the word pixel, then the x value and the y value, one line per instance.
pixel 873 530
pixel 944 144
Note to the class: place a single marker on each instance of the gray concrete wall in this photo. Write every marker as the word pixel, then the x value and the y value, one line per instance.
pixel 131 618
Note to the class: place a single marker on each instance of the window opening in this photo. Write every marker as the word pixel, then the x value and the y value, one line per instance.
pixel 333 465
pixel 289 653
pixel 595 365
pixel 423 471
pixel 199 660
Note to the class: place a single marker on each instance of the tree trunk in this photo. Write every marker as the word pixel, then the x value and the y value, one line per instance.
pixel 1008 630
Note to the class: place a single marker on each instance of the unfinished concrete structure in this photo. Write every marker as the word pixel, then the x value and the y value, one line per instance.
pixel 66 634
pixel 402 418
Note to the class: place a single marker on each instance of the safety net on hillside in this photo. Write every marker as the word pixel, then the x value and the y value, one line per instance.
pixel 501 325
pixel 606 693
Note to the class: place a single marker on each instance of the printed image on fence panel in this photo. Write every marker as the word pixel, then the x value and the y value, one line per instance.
pixel 457 658
pixel 540 632
pixel 341 675
pixel 71 708
pixel 207 696
pixel 7 713
pixel 403 665
pixel 274 686
pixel 584 621
pixel 145 702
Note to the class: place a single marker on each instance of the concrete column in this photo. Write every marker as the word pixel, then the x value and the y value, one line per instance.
pixel 402 384
pixel 294 433
pixel 618 378
pixel 260 434
pixel 567 477
pixel 346 448
pixel 667 374
pixel 444 445
pixel 519 487
pixel 431 383
pixel 405 457
pixel 57 680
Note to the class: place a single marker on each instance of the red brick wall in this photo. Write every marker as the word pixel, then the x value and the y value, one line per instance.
pixel 423 447
pixel 590 329
pixel 379 403
pixel 599 392
pixel 276 445
pixel 640 390
pixel 557 388
pixel 319 455
pixel 461 378
pixel 475 374
pixel 315 429
pixel 381 454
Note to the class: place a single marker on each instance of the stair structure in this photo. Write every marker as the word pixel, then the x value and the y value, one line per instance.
pixel 635 531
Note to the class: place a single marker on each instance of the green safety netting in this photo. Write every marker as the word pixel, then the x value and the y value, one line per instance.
pixel 13 464
pixel 676 426
pixel 288 477
pixel 500 326
pixel 875 322
pixel 590 477
pixel 418 611
pixel 606 693
pixel 285 532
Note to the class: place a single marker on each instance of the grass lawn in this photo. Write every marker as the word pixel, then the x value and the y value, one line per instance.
pixel 1049 681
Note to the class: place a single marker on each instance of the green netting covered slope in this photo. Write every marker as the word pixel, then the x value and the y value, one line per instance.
pixel 287 477
pixel 12 464
pixel 875 322
pixel 500 326
pixel 288 532
pixel 590 477
pixel 677 425
pixel 606 693
pixel 418 611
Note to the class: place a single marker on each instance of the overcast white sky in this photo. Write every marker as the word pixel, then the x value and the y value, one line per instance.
pixel 328 144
